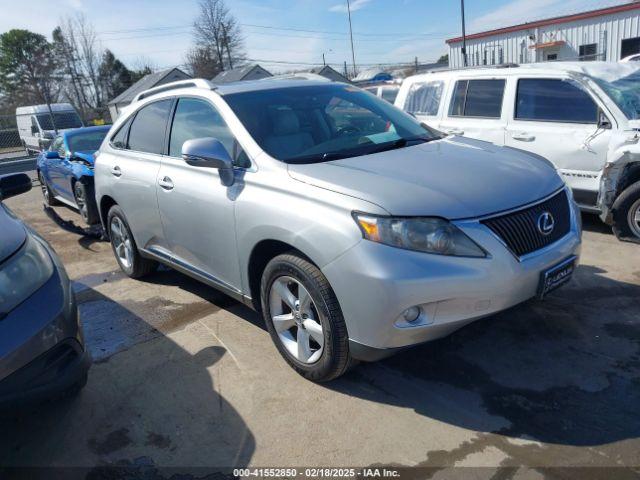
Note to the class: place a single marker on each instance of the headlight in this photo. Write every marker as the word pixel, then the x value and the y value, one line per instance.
pixel 21 275
pixel 423 234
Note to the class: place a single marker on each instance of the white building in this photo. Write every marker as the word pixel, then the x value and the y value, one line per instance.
pixel 608 34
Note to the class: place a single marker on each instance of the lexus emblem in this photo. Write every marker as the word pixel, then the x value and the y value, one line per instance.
pixel 546 223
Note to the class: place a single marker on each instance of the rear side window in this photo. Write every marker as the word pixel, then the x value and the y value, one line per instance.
pixel 147 130
pixel 554 100
pixel 424 98
pixel 477 98
pixel 119 140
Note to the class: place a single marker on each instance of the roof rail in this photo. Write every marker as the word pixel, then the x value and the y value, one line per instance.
pixel 473 67
pixel 193 82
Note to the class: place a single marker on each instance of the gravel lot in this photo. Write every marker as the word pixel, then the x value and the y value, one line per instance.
pixel 184 376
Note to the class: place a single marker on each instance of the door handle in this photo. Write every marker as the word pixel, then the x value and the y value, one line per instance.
pixel 455 131
pixel 166 183
pixel 116 172
pixel 524 137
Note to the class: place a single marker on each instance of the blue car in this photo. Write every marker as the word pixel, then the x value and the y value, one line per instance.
pixel 65 170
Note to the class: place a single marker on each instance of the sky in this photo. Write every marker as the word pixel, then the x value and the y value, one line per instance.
pixel 288 34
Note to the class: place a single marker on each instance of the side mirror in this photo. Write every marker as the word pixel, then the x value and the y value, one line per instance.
pixel 51 154
pixel 209 153
pixel 603 121
pixel 34 130
pixel 12 185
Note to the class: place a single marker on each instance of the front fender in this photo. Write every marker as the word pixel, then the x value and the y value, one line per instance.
pixel 623 164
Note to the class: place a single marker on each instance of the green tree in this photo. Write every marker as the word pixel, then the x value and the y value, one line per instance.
pixel 115 77
pixel 444 58
pixel 27 67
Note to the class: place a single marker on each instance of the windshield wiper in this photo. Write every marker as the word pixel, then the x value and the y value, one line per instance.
pixel 399 143
pixel 319 157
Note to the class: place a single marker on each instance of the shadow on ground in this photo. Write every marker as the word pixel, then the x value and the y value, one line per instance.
pixel 155 404
pixel 563 371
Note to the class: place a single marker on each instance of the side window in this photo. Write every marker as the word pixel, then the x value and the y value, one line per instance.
pixel 119 140
pixel 554 100
pixel 196 118
pixel 424 98
pixel 147 129
pixel 477 98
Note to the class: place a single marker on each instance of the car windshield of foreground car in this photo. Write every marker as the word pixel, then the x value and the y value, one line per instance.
pixel 625 92
pixel 86 141
pixel 62 120
pixel 320 123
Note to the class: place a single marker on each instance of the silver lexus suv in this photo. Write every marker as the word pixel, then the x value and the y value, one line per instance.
pixel 355 230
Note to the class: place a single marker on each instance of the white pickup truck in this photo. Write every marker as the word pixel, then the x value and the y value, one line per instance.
pixel 584 117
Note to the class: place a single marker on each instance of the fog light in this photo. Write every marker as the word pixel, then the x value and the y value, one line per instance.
pixel 411 314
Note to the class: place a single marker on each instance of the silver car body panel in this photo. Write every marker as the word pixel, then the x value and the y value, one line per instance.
pixel 209 231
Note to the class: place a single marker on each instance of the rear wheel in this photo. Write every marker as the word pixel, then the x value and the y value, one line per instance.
pixel 47 197
pixel 626 214
pixel 124 246
pixel 85 203
pixel 304 318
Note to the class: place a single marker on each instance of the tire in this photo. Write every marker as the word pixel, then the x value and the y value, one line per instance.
pixel 626 214
pixel 319 362
pixel 83 195
pixel 124 246
pixel 47 197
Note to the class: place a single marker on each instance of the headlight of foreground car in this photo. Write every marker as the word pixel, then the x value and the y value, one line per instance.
pixel 23 274
pixel 422 234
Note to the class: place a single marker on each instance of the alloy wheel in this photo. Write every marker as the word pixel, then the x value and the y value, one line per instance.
pixel 296 319
pixel 121 242
pixel 43 187
pixel 633 218
pixel 81 202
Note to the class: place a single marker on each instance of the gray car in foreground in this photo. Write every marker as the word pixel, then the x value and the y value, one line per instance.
pixel 42 352
pixel 355 230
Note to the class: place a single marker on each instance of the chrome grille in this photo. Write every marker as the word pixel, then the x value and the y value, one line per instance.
pixel 519 230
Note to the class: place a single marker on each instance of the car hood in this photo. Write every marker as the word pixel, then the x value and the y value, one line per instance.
pixel 452 178
pixel 13 233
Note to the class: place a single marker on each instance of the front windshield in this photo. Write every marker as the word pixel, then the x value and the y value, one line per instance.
pixel 625 92
pixel 86 141
pixel 62 120
pixel 320 123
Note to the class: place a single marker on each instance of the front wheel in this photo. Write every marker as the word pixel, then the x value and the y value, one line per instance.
pixel 84 201
pixel 626 214
pixel 124 246
pixel 304 318
pixel 47 197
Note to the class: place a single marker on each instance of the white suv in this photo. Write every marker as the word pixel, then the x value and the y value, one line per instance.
pixel 584 117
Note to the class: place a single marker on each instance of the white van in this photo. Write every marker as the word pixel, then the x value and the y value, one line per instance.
pixel 37 125
pixel 582 116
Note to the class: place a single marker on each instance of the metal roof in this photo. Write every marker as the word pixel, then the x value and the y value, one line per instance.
pixel 237 74
pixel 145 83
pixel 551 21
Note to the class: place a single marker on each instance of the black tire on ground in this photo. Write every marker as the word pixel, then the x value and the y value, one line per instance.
pixel 335 359
pixel 47 197
pixel 624 209
pixel 86 203
pixel 140 266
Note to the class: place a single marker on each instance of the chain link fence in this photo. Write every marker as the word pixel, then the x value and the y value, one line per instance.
pixel 27 134
pixel 11 145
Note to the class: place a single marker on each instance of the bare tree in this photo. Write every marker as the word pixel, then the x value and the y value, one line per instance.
pixel 79 54
pixel 201 63
pixel 217 31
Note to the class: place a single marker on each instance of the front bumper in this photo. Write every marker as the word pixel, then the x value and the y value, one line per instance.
pixel 375 283
pixel 41 346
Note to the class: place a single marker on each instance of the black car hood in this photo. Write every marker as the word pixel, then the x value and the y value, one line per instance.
pixel 12 233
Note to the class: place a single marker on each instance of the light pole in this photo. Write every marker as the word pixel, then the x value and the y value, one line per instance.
pixel 464 36
pixel 353 55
